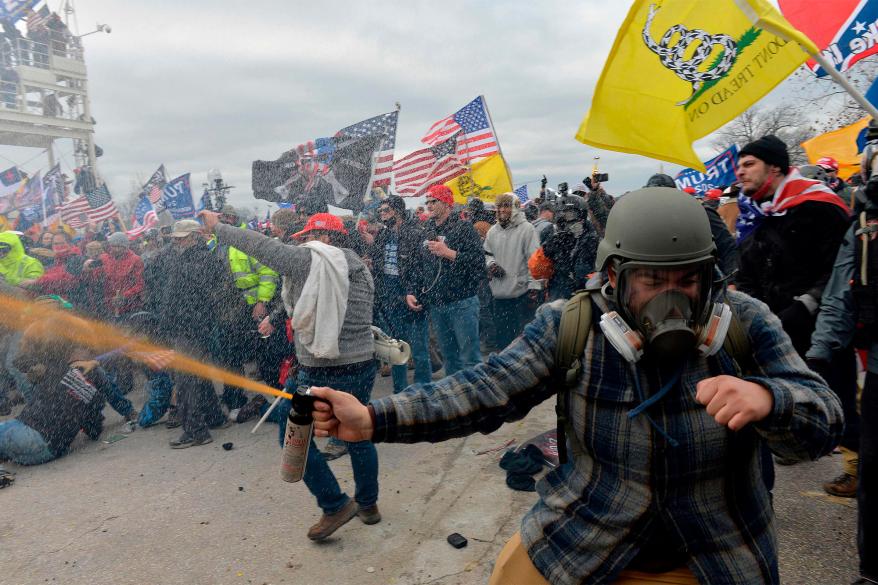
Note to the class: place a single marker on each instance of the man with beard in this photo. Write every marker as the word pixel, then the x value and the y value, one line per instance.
pixel 508 246
pixel 800 223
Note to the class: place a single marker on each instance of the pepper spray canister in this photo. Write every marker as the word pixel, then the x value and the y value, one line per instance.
pixel 297 439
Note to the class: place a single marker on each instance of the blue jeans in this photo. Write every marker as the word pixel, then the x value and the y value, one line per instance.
pixel 159 386
pixel 21 382
pixel 356 379
pixel 457 328
pixel 400 322
pixel 21 444
pixel 418 337
pixel 114 396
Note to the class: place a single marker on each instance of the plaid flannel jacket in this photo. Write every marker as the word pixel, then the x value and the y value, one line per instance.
pixel 594 513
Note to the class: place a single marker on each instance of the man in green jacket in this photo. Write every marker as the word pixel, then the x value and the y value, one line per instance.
pixel 16 267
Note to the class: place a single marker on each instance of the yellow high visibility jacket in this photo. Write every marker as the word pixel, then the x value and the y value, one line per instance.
pixel 257 281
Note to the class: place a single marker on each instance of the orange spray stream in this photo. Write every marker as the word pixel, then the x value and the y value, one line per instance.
pixel 101 337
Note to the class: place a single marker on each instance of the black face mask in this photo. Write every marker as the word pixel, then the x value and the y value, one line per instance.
pixel 390 221
pixel 666 324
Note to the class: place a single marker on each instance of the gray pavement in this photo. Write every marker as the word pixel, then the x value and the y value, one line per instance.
pixel 135 512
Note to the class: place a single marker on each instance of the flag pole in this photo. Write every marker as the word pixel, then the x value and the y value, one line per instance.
pixel 499 148
pixel 844 83
pixel 816 55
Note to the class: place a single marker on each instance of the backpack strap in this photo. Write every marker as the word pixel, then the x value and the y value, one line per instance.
pixel 737 345
pixel 576 319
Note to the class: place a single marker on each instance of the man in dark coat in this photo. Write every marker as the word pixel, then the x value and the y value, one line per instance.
pixel 787 259
pixel 451 282
pixel 398 256
pixel 199 294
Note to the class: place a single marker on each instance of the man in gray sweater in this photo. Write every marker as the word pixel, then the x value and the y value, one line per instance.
pixel 351 370
pixel 508 246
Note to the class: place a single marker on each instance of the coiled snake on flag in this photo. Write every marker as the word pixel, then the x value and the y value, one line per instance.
pixel 672 57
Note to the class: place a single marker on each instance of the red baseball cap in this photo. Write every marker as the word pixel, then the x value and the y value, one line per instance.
pixel 441 193
pixel 714 193
pixel 323 222
pixel 689 190
pixel 828 163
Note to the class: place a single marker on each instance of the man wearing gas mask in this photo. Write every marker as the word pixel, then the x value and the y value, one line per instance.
pixel 663 483
pixel 849 315
pixel 572 248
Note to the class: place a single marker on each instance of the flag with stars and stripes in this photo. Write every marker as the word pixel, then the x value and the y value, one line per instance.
pixel 144 217
pixel 521 193
pixel 75 212
pixel 472 126
pixel 385 127
pixel 155 185
pixel 101 206
pixel 38 19
pixel 434 165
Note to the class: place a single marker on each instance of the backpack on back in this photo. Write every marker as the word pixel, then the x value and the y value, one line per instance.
pixel 573 330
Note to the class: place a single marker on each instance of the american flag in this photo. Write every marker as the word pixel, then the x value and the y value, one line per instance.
pixel 383 125
pixel 75 212
pixel 38 19
pixel 420 170
pixel 144 218
pixel 521 193
pixel 472 125
pixel 101 203
pixel 155 185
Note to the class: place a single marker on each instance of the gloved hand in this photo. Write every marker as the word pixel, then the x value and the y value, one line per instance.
pixel 496 270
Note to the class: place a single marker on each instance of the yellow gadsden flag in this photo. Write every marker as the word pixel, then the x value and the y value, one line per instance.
pixel 841 144
pixel 680 69
pixel 485 180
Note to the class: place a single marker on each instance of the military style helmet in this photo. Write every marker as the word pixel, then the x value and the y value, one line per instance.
pixel 656 225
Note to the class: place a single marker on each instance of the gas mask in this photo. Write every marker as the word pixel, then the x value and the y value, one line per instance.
pixel 570 221
pixel 670 325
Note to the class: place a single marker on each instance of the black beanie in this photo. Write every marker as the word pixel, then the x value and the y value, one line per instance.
pixel 771 150
pixel 396 203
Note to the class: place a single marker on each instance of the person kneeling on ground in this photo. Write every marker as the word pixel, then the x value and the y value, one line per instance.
pixel 664 480
pixel 63 401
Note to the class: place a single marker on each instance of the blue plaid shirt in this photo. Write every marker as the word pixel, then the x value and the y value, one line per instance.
pixel 625 481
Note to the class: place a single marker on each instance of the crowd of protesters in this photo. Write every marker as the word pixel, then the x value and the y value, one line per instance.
pixel 295 305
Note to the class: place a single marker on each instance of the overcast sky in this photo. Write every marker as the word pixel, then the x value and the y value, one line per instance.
pixel 203 84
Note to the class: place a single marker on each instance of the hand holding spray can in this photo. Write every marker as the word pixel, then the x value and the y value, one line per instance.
pixel 297 439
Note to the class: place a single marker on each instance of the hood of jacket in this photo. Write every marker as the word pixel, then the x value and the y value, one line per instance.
pixel 9 264
pixel 517 214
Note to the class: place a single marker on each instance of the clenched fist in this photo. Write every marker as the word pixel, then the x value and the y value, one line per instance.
pixel 734 402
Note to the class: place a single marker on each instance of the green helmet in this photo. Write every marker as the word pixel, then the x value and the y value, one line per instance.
pixel 656 225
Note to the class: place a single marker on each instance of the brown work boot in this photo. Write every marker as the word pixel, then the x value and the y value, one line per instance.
pixel 329 523
pixel 370 514
pixel 843 486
